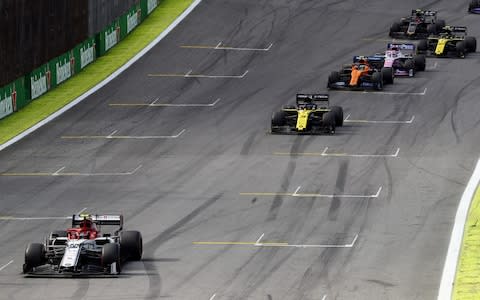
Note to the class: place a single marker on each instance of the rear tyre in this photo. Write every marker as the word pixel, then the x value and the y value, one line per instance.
pixel 471 43
pixel 131 245
pixel 422 46
pixel 333 78
pixel 338 113
pixel 328 120
pixel 419 62
pixel 396 27
pixel 461 49
pixel 432 29
pixel 34 256
pixel 440 24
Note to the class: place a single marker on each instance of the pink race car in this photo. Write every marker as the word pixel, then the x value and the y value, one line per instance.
pixel 402 59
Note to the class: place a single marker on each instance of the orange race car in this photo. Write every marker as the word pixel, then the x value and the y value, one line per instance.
pixel 366 72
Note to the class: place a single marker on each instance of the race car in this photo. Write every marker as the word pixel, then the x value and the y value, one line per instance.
pixel 420 24
pixel 402 59
pixel 83 249
pixel 311 114
pixel 366 72
pixel 474 7
pixel 451 42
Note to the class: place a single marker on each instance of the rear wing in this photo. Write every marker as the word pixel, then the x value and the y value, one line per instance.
pixel 112 220
pixel 458 29
pixel 309 98
pixel 405 48
pixel 430 13
pixel 401 46
pixel 375 61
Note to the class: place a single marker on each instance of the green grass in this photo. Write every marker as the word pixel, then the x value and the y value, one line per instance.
pixel 147 31
pixel 467 278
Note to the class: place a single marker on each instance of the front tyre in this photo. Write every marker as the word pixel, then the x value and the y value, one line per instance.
pixel 333 78
pixel 34 256
pixel 110 255
pixel 328 120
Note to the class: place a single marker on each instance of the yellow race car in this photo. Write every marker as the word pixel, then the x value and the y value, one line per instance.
pixel 311 114
pixel 451 42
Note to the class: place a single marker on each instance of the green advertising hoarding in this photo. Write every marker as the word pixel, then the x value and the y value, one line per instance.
pixel 108 38
pixel 63 68
pixel 151 5
pixel 20 93
pixel 13 96
pixel 147 7
pixel 40 81
pixel 130 20
pixel 86 54
pixel 6 102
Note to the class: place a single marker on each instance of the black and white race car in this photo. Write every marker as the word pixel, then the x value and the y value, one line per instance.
pixel 83 249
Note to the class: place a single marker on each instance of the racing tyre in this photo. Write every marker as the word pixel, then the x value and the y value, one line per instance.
pixel 110 255
pixel 278 120
pixel 473 4
pixel 387 75
pixel 396 27
pixel 377 80
pixel 34 256
pixel 328 120
pixel 333 78
pixel 409 64
pixel 461 49
pixel 131 245
pixel 422 46
pixel 432 28
pixel 471 43
pixel 338 113
pixel 440 24
pixel 419 62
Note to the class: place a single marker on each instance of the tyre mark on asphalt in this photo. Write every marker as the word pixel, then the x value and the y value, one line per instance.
pixel 277 202
pixel 82 289
pixel 247 145
pixel 150 247
pixel 339 188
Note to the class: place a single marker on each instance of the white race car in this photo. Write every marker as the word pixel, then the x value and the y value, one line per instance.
pixel 83 249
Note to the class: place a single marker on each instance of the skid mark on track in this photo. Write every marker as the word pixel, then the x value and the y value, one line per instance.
pixel 82 289
pixel 247 146
pixel 154 278
pixel 339 188
pixel 151 246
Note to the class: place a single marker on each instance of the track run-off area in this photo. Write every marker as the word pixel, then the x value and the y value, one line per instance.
pixel 179 143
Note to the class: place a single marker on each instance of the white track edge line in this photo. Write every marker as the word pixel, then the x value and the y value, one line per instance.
pixel 451 260
pixel 105 81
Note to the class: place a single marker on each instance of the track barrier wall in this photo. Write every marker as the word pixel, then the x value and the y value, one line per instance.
pixel 39 80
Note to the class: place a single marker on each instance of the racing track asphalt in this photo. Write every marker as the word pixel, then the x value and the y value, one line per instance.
pixel 203 238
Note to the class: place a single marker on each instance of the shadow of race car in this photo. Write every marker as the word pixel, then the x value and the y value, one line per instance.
pixel 420 24
pixel 366 72
pixel 451 42
pixel 311 114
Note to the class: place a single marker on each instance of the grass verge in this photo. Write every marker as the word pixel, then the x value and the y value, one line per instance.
pixel 467 278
